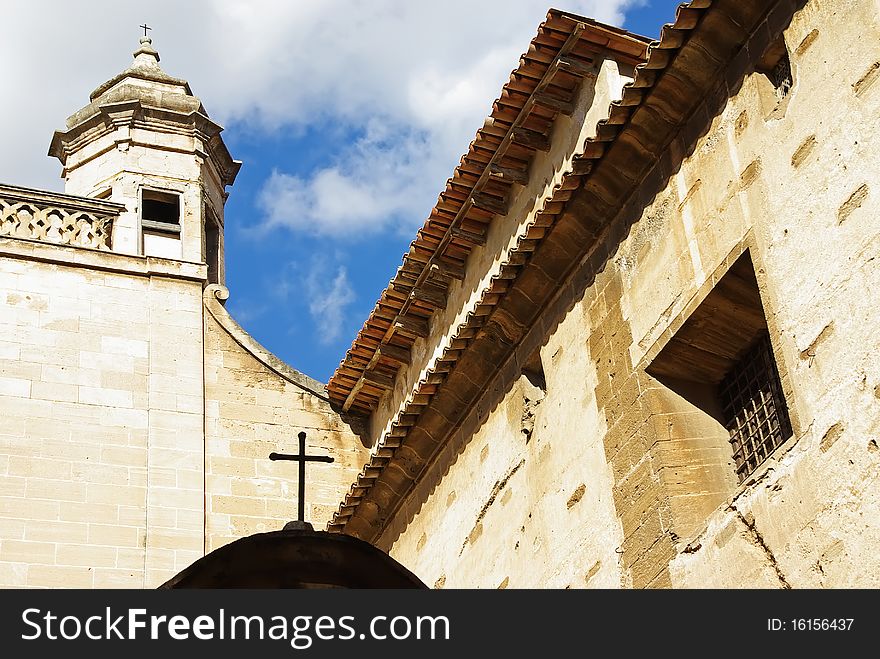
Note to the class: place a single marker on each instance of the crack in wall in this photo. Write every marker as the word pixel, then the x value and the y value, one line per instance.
pixel 499 485
pixel 758 541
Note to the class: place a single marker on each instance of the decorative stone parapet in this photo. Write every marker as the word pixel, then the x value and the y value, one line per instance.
pixel 57 218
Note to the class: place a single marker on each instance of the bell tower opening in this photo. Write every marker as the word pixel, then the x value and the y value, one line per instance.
pixel 160 211
pixel 213 234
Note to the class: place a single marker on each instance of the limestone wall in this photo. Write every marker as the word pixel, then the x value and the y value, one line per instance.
pixel 811 520
pixel 787 181
pixel 109 447
pixel 524 502
pixel 100 399
pixel 256 404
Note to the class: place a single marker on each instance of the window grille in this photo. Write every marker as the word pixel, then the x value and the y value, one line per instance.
pixel 754 408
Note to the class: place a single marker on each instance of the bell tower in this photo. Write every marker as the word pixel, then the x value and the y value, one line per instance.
pixel 145 141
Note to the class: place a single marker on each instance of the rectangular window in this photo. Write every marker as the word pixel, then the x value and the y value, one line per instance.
pixel 160 211
pixel 754 408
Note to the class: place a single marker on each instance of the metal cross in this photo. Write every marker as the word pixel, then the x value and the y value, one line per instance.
pixel 146 27
pixel 302 458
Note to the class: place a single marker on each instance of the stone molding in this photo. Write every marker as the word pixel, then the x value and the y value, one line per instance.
pixel 215 296
pixel 85 257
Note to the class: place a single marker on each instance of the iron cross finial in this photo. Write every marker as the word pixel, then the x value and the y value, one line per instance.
pixel 302 458
pixel 146 27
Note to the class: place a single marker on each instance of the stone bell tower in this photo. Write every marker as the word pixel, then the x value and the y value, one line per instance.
pixel 146 141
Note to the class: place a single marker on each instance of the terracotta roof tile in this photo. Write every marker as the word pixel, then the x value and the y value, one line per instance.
pixel 478 190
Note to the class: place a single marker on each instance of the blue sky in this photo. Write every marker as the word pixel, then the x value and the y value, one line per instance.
pixel 348 116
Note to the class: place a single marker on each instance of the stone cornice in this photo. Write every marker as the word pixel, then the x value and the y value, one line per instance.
pixel 83 257
pixel 106 118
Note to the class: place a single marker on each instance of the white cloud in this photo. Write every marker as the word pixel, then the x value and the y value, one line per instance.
pixel 328 298
pixel 382 179
pixel 412 79
pixel 322 284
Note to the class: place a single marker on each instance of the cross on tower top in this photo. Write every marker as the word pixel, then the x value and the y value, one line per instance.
pixel 145 28
pixel 302 458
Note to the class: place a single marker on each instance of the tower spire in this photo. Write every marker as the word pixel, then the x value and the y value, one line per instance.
pixel 146 55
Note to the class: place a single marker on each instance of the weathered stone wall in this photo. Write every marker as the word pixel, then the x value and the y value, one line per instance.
pixel 801 173
pixel 101 405
pixel 526 491
pixel 256 404
pixel 523 499
pixel 789 182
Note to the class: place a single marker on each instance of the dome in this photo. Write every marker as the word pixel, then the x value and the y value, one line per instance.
pixel 296 558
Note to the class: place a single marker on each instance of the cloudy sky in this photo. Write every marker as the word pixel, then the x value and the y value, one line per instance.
pixel 349 116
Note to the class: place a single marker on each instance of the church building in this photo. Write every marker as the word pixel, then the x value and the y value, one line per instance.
pixel 633 345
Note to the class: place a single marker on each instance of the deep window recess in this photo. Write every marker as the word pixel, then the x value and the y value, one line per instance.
pixel 533 386
pixel 754 408
pixel 721 362
pixel 160 211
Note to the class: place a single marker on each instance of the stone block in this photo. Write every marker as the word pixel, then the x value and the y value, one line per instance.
pixel 27 552
pixel 113 494
pixel 17 387
pixel 124 578
pixel 14 529
pixel 39 488
pixel 89 512
pixel 105 397
pixel 45 576
pixel 56 531
pixel 115 345
pixel 12 486
pixel 93 556
pixel 237 505
pixel 130 559
pixel 113 535
pixel 39 468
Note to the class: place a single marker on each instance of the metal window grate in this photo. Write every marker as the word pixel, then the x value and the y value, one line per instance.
pixel 754 408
